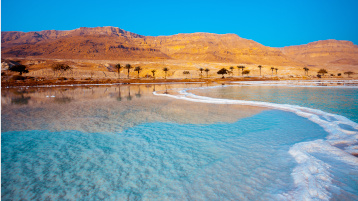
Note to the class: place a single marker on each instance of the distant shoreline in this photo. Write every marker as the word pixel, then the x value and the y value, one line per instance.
pixel 53 82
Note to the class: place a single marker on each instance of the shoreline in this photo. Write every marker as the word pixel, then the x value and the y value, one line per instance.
pixel 58 82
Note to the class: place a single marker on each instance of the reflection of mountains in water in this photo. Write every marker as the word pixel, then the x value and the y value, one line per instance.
pixel 110 108
pixel 68 94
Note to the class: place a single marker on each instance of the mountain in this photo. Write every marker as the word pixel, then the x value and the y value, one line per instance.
pixel 110 43
pixel 324 53
pixel 83 43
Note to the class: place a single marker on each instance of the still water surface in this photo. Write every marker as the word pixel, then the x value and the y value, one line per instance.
pixel 124 143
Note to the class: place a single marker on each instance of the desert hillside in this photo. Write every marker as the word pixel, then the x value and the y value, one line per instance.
pixel 99 49
pixel 109 43
pixel 334 54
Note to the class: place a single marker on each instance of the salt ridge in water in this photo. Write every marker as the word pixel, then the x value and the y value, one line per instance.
pixel 324 83
pixel 312 177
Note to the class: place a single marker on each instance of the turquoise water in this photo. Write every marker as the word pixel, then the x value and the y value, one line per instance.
pixel 342 101
pixel 156 160
pixel 98 144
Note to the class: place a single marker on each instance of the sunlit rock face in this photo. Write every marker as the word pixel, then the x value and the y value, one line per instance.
pixel 324 53
pixel 111 43
pixel 217 48
pixel 115 43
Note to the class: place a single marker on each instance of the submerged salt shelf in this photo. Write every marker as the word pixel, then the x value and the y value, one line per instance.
pixel 304 83
pixel 313 176
pixel 124 143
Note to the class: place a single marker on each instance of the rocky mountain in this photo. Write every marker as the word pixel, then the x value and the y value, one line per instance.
pixel 83 43
pixel 110 43
pixel 217 48
pixel 327 52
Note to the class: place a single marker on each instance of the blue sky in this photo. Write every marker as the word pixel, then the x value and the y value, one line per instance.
pixel 274 23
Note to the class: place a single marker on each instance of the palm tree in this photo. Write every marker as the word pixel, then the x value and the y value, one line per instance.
pixel 232 70
pixel 153 72
pixel 207 71
pixel 222 72
pixel 242 69
pixel 128 67
pixel 260 68
pixel 165 69
pixel 276 70
pixel 118 67
pixel 272 68
pixel 348 73
pixel 138 69
pixel 201 72
pixel 306 70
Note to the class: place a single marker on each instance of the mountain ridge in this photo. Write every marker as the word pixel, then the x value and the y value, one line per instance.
pixel 113 43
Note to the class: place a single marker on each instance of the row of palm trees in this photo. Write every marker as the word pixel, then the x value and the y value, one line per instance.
pixel 128 67
pixel 138 69
pixel 242 70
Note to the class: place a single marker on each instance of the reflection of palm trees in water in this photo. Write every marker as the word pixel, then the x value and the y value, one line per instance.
pixel 129 97
pixel 21 100
pixel 154 88
pixel 166 90
pixel 138 95
pixel 119 98
pixel 63 99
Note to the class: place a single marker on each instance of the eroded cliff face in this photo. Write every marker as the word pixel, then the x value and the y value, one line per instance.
pixel 15 37
pixel 83 43
pixel 325 52
pixel 217 48
pixel 110 43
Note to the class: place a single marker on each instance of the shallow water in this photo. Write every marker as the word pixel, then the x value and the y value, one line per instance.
pixel 124 143
pixel 342 101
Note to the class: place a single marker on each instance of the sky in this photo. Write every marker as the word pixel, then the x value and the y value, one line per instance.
pixel 274 23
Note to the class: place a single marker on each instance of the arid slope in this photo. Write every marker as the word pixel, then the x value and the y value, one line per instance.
pixel 110 43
